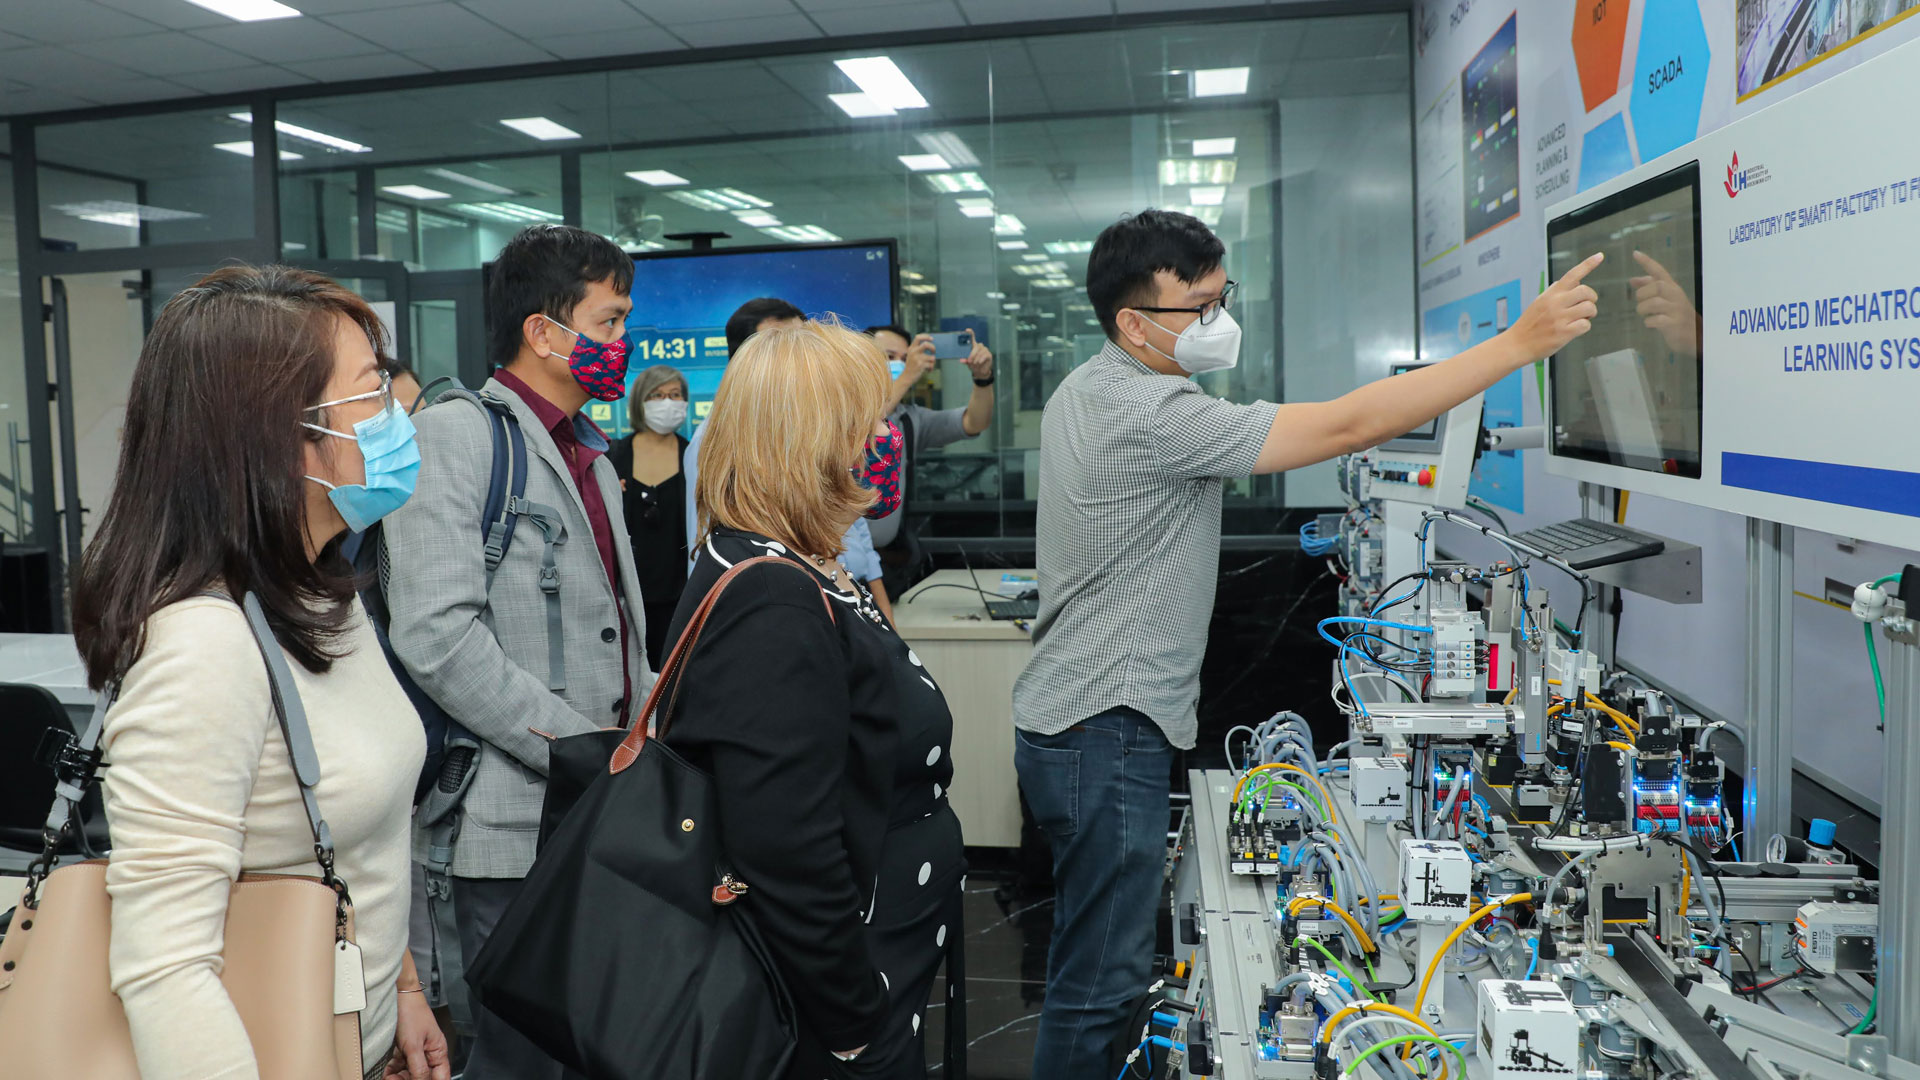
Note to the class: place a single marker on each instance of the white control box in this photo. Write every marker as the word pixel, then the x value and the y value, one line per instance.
pixel 1436 880
pixel 1528 1030
pixel 1380 788
pixel 1831 938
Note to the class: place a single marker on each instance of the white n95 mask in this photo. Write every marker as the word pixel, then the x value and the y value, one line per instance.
pixel 1213 346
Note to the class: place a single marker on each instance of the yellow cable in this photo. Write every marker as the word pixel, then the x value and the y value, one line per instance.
pixel 1324 793
pixel 1620 511
pixel 1625 748
pixel 1511 694
pixel 1326 1030
pixel 1686 886
pixel 1366 943
pixel 1440 957
pixel 1253 772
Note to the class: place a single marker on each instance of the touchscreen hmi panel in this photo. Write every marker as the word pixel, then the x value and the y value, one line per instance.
pixel 1422 437
pixel 1628 392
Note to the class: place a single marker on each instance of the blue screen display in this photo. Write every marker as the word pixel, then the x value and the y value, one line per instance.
pixel 681 304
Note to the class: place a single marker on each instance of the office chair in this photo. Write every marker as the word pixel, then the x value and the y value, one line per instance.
pixel 26 785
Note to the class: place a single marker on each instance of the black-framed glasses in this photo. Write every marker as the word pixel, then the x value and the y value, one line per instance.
pixel 1207 313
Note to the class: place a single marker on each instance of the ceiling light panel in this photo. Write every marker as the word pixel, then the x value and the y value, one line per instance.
pixel 859 106
pixel 949 146
pixel 759 219
pixel 319 138
pixel 741 196
pixel 1014 245
pixel 1214 147
pixel 539 127
pixel 1008 225
pixel 1220 82
pixel 512 212
pixel 415 191
pixel 882 81
pixel 248 10
pixel 801 234
pixel 952 183
pixel 245 149
pixel 1038 256
pixel 925 162
pixel 1197 171
pixel 1208 196
pixel 975 208
pixel 473 182
pixel 1069 247
pixel 119 212
pixel 657 177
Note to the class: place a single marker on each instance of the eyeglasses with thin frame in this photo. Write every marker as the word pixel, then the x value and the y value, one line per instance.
pixel 1208 312
pixel 385 394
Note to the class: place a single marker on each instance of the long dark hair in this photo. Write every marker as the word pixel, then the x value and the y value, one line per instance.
pixel 209 493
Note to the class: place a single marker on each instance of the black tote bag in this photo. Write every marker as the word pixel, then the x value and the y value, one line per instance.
pixel 630 951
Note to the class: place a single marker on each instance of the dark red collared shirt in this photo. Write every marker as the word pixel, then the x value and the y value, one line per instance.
pixel 580 457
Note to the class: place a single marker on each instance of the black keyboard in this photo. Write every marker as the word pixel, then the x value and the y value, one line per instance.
pixel 1585 544
pixel 1005 610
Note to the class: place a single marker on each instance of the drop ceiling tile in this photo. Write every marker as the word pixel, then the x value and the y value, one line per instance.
pixel 61 21
pixel 422 26
pixel 162 54
pixel 670 12
pixel 325 8
pixel 493 54
pixel 893 18
pixel 286 40
pixel 346 68
pixel 987 12
pixel 551 20
pixel 56 68
pixel 746 31
pixel 235 80
pixel 648 39
pixel 130 90
pixel 1138 7
pixel 173 16
pixel 1338 39
pixel 8 41
pixel 38 99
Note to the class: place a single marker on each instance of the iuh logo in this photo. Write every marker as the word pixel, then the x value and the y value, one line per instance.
pixel 1736 180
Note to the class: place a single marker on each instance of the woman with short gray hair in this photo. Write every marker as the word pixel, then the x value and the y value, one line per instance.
pixel 653 489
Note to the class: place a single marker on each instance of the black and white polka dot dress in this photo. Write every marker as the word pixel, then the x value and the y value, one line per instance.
pixel 899 834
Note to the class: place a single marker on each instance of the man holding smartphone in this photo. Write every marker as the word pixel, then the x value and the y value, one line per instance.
pixel 910 358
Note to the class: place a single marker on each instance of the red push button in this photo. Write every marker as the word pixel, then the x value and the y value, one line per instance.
pixel 1426 477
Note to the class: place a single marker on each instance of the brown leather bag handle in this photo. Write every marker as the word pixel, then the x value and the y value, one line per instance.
pixel 629 749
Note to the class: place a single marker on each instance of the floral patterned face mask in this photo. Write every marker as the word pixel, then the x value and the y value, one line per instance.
pixel 885 455
pixel 599 367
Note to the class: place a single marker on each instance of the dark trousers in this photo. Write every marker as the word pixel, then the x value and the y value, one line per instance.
pixel 499 1052
pixel 1100 792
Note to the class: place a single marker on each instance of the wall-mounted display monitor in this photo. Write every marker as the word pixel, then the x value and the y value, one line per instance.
pixel 681 300
pixel 1628 392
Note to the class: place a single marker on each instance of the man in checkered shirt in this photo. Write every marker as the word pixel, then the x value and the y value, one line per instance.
pixel 1132 458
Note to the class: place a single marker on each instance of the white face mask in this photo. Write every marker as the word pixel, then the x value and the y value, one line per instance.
pixel 664 414
pixel 1200 348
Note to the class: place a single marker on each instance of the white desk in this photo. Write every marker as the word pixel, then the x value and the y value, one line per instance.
pixel 52 661
pixel 976 660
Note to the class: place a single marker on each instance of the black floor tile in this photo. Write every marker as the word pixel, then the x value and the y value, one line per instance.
pixel 1007 939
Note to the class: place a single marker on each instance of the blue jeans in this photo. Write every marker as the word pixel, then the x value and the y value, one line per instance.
pixel 1100 791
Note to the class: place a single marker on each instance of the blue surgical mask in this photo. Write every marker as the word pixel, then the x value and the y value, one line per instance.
pixel 392 460
pixel 896 368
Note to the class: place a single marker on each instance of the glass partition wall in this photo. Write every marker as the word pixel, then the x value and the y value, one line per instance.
pixel 991 164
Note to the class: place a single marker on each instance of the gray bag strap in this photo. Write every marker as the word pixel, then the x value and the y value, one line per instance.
pixel 293 728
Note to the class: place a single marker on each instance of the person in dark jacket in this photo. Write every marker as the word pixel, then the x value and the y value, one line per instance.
pixel 828 740
pixel 653 493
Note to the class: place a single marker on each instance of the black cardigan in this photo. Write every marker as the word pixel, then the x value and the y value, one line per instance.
pixel 790 710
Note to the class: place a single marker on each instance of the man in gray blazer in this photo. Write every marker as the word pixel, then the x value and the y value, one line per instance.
pixel 556 314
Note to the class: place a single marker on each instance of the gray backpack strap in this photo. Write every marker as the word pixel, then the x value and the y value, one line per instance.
pixel 553 533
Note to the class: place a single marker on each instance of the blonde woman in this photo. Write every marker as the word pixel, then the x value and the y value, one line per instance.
pixel 829 742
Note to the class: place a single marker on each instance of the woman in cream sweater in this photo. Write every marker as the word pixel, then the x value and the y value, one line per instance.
pixel 258 427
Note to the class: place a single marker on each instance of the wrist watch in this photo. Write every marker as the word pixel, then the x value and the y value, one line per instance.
pixel 978 381
pixel 849 1055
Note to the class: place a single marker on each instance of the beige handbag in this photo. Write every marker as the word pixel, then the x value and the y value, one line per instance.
pixel 287 937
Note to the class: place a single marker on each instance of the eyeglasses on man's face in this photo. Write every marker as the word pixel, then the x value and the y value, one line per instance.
pixel 1209 311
